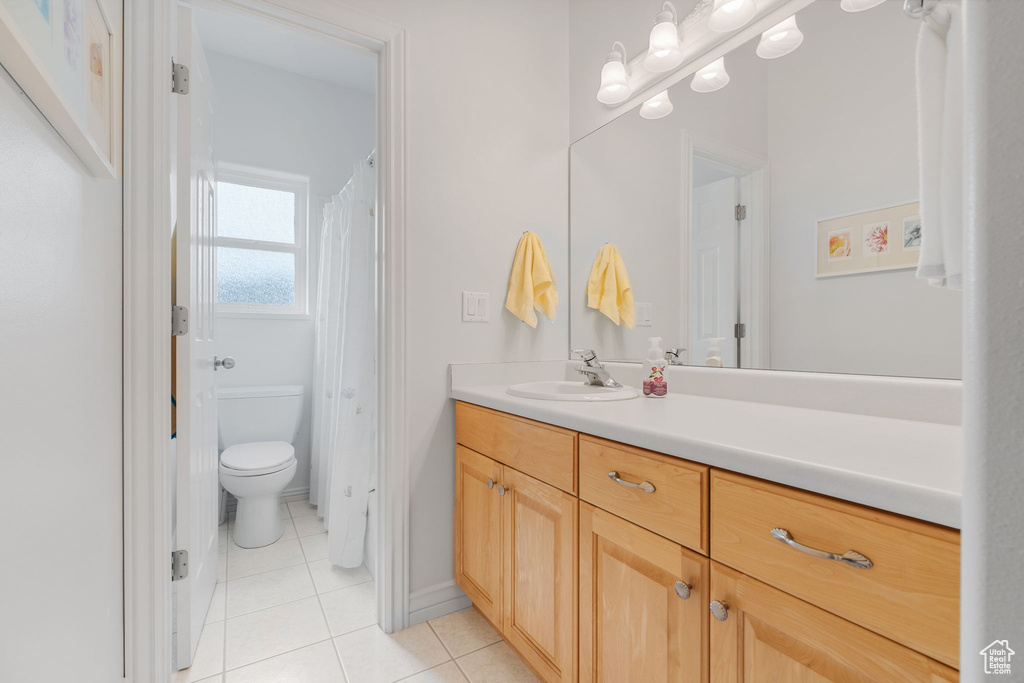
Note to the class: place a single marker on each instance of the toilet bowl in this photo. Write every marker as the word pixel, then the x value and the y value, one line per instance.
pixel 256 427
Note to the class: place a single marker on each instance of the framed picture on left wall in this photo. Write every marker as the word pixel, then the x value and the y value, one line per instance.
pixel 67 57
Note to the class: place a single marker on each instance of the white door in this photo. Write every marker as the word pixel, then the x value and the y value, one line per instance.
pixel 713 272
pixel 198 486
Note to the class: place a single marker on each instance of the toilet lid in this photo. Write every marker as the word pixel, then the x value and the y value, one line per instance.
pixel 257 456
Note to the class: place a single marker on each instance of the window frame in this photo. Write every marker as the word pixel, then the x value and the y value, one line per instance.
pixel 249 176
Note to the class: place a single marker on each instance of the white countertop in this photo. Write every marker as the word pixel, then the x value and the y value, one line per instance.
pixel 907 467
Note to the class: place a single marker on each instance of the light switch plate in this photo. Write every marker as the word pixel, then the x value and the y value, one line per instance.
pixel 644 315
pixel 475 307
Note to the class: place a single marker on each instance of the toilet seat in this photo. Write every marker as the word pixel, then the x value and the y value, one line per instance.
pixel 254 459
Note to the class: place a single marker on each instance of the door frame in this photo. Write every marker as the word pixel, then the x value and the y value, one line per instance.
pixel 756 291
pixel 148 218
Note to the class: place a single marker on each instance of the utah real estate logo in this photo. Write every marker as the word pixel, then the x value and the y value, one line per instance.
pixel 997 657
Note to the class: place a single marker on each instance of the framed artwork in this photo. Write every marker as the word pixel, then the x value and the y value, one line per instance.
pixel 869 241
pixel 67 57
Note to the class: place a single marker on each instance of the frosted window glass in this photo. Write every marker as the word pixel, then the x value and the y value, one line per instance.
pixel 250 276
pixel 255 213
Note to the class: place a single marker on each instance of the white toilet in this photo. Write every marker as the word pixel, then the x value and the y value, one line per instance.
pixel 257 426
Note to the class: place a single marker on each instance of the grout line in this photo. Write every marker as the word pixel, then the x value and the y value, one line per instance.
pixel 451 655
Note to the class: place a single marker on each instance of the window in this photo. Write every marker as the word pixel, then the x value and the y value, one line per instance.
pixel 261 243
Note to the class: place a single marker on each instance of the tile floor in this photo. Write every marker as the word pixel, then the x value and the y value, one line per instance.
pixel 284 613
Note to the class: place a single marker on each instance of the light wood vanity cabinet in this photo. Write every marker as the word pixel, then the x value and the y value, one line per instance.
pixel 616 586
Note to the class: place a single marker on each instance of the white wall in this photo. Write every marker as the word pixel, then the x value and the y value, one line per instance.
pixel 486 138
pixel 60 407
pixel 281 121
pixel 992 596
pixel 842 135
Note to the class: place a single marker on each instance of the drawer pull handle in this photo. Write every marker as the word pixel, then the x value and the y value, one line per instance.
pixel 682 590
pixel 644 486
pixel 502 490
pixel 490 483
pixel 719 610
pixel 850 557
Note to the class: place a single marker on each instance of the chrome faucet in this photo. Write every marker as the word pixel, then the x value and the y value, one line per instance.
pixel 673 356
pixel 592 369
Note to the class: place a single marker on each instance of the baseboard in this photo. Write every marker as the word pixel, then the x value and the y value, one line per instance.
pixel 287 496
pixel 436 601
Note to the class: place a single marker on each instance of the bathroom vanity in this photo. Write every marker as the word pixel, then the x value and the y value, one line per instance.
pixel 597 559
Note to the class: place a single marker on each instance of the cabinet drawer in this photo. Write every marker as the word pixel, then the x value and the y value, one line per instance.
pixel 676 505
pixel 910 593
pixel 542 451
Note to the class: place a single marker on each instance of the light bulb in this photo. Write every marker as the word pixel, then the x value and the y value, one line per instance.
pixel 859 5
pixel 664 53
pixel 711 78
pixel 656 107
pixel 614 80
pixel 729 15
pixel 780 39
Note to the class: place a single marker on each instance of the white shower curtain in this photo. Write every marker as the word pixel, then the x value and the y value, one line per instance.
pixel 345 380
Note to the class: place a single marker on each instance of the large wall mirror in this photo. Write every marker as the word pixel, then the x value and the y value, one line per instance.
pixel 817 271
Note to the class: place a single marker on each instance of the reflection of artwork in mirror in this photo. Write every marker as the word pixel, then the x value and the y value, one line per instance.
pixel 860 243
pixel 912 233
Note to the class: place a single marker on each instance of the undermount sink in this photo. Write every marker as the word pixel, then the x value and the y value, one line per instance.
pixel 571 391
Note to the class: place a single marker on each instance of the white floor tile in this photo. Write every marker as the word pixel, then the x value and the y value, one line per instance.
pixel 301 508
pixel 307 526
pixel 288 533
pixel 329 577
pixel 464 632
pixel 222 567
pixel 314 547
pixel 446 673
pixel 268 589
pixel 219 678
pixel 216 611
pixel 496 663
pixel 222 538
pixel 372 656
pixel 273 631
pixel 314 664
pixel 350 609
pixel 246 562
pixel 209 657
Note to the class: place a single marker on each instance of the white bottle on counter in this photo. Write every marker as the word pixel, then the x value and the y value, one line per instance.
pixel 714 353
pixel 655 386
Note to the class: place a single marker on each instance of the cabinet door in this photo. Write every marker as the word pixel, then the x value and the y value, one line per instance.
pixel 634 624
pixel 540 574
pixel 478 531
pixel 768 635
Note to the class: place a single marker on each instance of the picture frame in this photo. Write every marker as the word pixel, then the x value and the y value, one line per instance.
pixel 67 56
pixel 869 241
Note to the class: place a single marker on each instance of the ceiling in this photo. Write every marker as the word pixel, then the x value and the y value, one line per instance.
pixel 282 47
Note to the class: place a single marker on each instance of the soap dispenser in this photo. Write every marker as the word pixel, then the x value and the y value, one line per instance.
pixel 655 385
pixel 714 353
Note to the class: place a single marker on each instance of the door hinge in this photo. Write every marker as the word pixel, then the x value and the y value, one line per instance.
pixel 179 78
pixel 741 212
pixel 179 321
pixel 179 565
pixel 740 330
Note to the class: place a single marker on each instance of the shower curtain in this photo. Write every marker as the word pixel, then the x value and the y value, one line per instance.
pixel 345 381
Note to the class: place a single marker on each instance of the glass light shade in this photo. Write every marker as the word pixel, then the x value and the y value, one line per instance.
pixel 664 53
pixel 859 5
pixel 614 82
pixel 780 39
pixel 656 107
pixel 711 78
pixel 729 15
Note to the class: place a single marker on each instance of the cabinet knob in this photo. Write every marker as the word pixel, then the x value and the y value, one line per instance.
pixel 502 490
pixel 682 589
pixel 719 610
pixel 490 483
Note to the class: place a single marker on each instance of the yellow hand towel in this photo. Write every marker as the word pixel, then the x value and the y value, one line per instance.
pixel 608 288
pixel 531 285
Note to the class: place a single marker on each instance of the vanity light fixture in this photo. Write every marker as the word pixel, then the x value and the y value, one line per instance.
pixel 664 53
pixel 615 87
pixel 729 15
pixel 657 107
pixel 780 39
pixel 859 5
pixel 711 78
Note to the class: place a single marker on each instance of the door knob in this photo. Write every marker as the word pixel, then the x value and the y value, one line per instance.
pixel 719 610
pixel 227 362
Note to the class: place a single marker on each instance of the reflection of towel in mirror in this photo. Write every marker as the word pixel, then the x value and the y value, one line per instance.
pixel 531 286
pixel 608 288
pixel 940 122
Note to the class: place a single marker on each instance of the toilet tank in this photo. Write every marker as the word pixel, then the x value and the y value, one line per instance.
pixel 248 414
